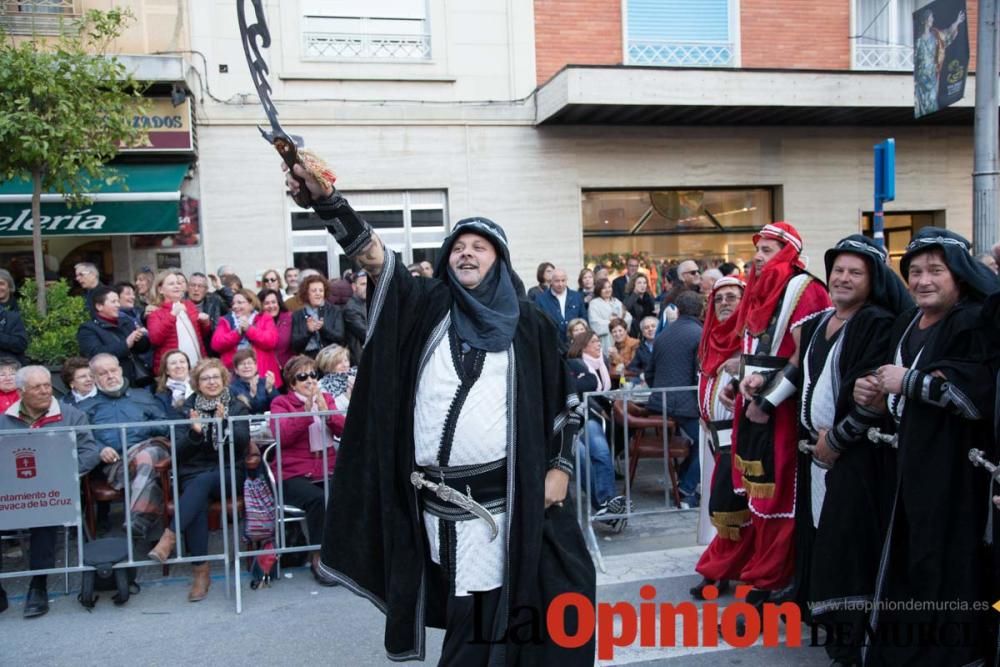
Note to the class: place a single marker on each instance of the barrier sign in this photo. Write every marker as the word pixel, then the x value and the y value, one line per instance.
pixel 39 485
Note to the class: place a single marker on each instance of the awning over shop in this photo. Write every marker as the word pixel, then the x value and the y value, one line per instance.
pixel 143 201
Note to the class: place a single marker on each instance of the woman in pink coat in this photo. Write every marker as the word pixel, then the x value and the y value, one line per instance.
pixel 303 441
pixel 246 326
pixel 174 322
pixel 272 304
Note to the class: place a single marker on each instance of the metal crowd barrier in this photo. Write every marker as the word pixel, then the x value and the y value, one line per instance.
pixel 584 511
pixel 170 427
pixel 266 437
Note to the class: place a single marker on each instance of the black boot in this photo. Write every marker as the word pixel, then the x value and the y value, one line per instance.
pixel 698 592
pixel 37 603
pixel 757 598
pixel 3 600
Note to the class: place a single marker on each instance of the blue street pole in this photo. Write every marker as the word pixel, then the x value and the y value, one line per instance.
pixel 885 186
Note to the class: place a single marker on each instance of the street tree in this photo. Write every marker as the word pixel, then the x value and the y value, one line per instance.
pixel 67 104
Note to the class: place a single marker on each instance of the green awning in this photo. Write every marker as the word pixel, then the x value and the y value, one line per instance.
pixel 144 201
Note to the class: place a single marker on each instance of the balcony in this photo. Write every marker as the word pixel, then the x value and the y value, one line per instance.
pixel 680 54
pixel 336 46
pixel 883 57
pixel 37 17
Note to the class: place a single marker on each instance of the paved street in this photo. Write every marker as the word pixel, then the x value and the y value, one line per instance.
pixel 297 622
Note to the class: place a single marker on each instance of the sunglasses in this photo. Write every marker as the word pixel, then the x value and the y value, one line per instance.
pixel 270 280
pixel 302 377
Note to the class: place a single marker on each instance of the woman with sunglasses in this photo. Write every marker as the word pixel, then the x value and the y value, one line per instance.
pixel 271 280
pixel 303 441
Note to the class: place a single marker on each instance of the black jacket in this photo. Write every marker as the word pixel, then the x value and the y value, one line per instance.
pixel 212 305
pixel 333 331
pixel 13 335
pixel 98 336
pixel 675 364
pixel 196 452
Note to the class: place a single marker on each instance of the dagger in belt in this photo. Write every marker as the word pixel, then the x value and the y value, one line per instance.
pixel 457 498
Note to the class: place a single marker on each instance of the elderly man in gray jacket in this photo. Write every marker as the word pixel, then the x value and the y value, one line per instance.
pixel 38 409
pixel 675 364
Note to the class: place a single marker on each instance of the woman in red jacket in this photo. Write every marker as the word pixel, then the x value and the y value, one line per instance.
pixel 303 440
pixel 243 327
pixel 176 322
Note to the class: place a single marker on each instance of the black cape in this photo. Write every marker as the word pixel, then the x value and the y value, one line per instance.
pixel 374 540
pixel 836 564
pixel 934 550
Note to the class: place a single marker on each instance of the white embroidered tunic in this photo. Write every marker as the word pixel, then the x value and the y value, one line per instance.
pixel 481 435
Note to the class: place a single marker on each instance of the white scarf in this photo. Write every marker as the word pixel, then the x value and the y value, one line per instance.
pixel 318 440
pixel 597 367
pixel 80 397
pixel 187 337
pixel 179 390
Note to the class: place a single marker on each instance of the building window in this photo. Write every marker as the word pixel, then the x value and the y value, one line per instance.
pixel 355 29
pixel 36 17
pixel 413 223
pixel 883 34
pixel 899 228
pixel 680 33
pixel 674 224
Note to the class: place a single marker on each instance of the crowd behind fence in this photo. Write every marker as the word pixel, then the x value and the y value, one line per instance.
pixel 630 417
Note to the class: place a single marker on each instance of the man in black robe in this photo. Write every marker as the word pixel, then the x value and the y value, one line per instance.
pixel 839 528
pixel 939 392
pixel 460 384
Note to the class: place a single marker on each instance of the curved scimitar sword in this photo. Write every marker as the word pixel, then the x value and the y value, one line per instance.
pixel 256 37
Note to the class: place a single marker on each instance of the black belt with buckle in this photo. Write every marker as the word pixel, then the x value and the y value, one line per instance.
pixel 484 483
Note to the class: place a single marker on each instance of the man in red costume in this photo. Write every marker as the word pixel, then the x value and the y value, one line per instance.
pixel 718 357
pixel 780 297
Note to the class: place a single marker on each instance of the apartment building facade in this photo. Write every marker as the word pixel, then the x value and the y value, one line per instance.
pixel 670 128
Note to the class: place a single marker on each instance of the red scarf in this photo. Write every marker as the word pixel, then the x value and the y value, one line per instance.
pixel 767 287
pixel 719 340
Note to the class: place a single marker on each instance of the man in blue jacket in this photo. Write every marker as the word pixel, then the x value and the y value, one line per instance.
pixel 110 333
pixel 117 403
pixel 561 304
pixel 675 364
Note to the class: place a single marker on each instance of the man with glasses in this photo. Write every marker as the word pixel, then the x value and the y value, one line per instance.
pixel 206 302
pixel 619 284
pixel 37 408
pixel 447 507
pixel 688 280
pixel 89 279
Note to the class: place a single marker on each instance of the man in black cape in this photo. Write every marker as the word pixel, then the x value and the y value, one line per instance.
pixel 938 390
pixel 839 523
pixel 460 385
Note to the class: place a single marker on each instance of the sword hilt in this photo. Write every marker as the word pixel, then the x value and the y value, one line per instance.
pixel 877 436
pixel 980 461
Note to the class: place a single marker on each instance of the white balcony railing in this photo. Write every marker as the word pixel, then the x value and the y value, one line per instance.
pixel 680 54
pixel 328 45
pixel 883 57
pixel 36 17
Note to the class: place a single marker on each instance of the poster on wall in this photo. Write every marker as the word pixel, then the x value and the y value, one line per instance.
pixel 188 234
pixel 940 55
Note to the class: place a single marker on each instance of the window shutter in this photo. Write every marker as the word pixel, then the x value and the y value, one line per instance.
pixel 678 20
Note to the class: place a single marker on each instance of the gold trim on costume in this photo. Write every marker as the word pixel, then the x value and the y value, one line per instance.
pixel 759 489
pixel 737 518
pixel 752 468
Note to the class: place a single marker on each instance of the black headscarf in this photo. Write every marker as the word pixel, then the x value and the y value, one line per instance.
pixel 978 281
pixel 887 290
pixel 485 316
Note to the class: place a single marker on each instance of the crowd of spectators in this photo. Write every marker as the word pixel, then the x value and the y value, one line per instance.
pixel 171 346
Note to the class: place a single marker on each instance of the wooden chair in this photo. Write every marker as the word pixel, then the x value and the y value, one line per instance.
pixel 646 441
